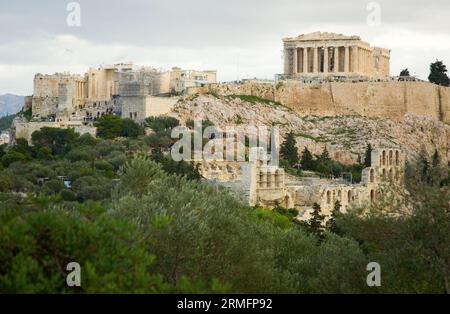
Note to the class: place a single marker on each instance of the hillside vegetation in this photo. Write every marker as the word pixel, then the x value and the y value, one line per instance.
pixel 137 221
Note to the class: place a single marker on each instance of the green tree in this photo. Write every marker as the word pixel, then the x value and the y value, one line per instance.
pixel 288 149
pixel 161 124
pixel 405 72
pixel 137 174
pixel 131 128
pixel 438 74
pixel 307 160
pixel 315 223
pixel 368 156
pixel 112 254
pixel 331 223
pixel 59 141
pixel 109 127
pixel 436 160
pixel 325 156
pixel 12 156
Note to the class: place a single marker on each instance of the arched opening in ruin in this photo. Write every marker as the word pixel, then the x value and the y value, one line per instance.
pixel 349 196
pixel 328 197
pixel 372 195
pixel 397 158
pixel 372 176
pixel 391 157
pixel 288 202
pixel 391 174
pixel 384 174
pixel 339 195
pixel 383 158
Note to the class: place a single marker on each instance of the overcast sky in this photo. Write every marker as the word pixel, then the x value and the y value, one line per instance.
pixel 238 38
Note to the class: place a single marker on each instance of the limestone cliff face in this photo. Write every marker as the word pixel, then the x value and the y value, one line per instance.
pixel 371 99
pixel 345 136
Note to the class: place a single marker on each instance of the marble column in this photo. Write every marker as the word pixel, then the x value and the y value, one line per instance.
pixel 295 69
pixel 347 60
pixel 336 60
pixel 325 60
pixel 355 59
pixel 316 60
pixel 286 61
pixel 305 60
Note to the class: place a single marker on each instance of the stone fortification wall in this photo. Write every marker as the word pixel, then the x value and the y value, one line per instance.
pixel 372 99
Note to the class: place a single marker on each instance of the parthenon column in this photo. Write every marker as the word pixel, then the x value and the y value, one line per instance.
pixel 355 59
pixel 336 60
pixel 295 70
pixel 316 60
pixel 286 61
pixel 325 60
pixel 347 60
pixel 305 60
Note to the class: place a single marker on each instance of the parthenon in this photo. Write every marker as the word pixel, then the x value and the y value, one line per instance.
pixel 329 54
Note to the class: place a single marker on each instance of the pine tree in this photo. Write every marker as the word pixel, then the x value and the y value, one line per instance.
pixel 315 223
pixel 289 150
pixel 405 72
pixel 307 160
pixel 436 159
pixel 438 74
pixel 325 156
pixel 331 223
pixel 425 165
pixel 368 156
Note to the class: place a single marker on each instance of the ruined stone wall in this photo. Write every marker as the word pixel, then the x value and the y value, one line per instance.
pixel 373 99
pixel 140 107
pixel 25 130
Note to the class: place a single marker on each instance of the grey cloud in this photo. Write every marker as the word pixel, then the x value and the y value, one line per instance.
pixel 231 35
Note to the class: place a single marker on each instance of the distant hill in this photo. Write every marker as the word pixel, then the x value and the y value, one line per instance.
pixel 10 104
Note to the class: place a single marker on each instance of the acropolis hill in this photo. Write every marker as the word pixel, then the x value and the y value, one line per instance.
pixel 325 74
pixel 328 74
pixel 332 94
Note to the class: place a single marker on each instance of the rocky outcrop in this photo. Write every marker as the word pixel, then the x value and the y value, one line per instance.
pixel 345 137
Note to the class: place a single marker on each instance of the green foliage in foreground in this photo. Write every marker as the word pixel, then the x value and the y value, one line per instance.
pixel 164 233
pixel 146 224
pixel 110 127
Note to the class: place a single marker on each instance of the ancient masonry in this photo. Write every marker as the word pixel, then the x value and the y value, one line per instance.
pixel 327 74
pixel 63 100
pixel 268 185
pixel 329 54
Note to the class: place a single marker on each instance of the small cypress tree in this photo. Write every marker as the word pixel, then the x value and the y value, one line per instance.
pixel 368 156
pixel 315 223
pixel 425 171
pixel 325 156
pixel 289 150
pixel 436 159
pixel 331 223
pixel 307 160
